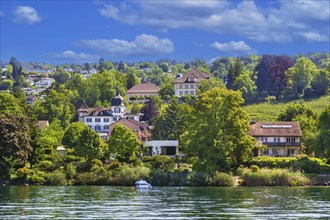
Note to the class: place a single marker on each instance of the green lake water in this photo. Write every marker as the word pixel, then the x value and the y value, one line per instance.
pixel 108 202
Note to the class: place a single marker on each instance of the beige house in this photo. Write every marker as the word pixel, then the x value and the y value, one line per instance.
pixel 189 82
pixel 142 90
pixel 281 138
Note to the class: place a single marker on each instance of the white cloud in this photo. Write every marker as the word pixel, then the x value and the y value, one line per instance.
pixel 247 18
pixel 234 47
pixel 313 36
pixel 26 15
pixel 143 44
pixel 70 55
pixel 2 13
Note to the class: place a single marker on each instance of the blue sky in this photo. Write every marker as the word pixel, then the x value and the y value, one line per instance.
pixel 84 31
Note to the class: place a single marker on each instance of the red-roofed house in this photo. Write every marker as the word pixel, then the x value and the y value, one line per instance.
pixel 189 82
pixel 142 90
pixel 142 131
pixel 281 138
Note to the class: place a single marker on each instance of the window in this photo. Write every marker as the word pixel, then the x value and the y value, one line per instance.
pixel 276 139
pixel 192 86
pixel 192 93
pixel 97 120
pixel 181 93
pixel 106 127
pixel 290 152
pixel 97 128
pixel 274 151
pixel 191 79
pixel 264 139
pixel 115 118
pixel 290 140
pixel 266 152
pixel 180 86
pixel 105 119
pixel 186 92
pixel 88 119
pixel 186 86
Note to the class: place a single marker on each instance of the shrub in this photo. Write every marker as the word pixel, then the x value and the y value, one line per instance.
pixel 97 162
pixel 221 179
pixel 87 178
pixel 56 178
pixel 112 166
pixel 38 177
pixel 46 165
pixel 70 171
pixel 197 179
pixel 128 175
pixel 309 165
pixel 254 168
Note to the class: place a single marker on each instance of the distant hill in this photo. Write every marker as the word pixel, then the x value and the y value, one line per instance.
pixel 270 111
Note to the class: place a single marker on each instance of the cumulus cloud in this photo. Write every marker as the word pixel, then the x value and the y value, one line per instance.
pixel 26 15
pixel 73 56
pixel 246 18
pixel 234 47
pixel 313 36
pixel 143 45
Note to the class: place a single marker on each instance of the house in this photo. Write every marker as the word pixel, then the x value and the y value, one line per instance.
pixel 142 131
pixel 99 118
pixel 44 82
pixel 143 90
pixel 31 99
pixel 281 138
pixel 162 147
pixel 189 82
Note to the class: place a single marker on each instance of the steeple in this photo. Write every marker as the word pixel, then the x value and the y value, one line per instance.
pixel 117 100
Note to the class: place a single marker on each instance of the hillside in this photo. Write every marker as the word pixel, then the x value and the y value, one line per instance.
pixel 270 111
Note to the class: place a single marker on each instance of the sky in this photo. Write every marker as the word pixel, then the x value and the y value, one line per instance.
pixel 84 31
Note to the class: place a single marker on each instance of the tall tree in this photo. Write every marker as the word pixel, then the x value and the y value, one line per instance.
pixel 89 145
pixel 322 146
pixel 15 142
pixel 132 80
pixel 17 69
pixel 149 111
pixel 302 74
pixel 293 110
pixel 123 142
pixel 235 70
pixel 321 82
pixel 218 131
pixel 172 122
pixel 271 74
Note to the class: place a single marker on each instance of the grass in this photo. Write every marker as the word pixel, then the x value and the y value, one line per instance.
pixel 270 111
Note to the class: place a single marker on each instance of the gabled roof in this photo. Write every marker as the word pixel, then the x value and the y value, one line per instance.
pixel 131 124
pixel 194 72
pixel 97 111
pixel 143 88
pixel 275 129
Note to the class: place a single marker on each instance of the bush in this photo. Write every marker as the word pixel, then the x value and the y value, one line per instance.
pixel 56 178
pixel 254 168
pixel 197 179
pixel 38 177
pixel 221 179
pixel 112 166
pixel 46 165
pixel 70 171
pixel 87 178
pixel 310 165
pixel 97 162
pixel 128 175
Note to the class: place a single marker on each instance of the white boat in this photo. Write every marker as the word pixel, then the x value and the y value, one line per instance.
pixel 142 184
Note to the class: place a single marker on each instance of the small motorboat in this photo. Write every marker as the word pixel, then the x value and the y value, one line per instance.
pixel 142 184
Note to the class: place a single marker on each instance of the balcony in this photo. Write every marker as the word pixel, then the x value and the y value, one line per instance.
pixel 282 144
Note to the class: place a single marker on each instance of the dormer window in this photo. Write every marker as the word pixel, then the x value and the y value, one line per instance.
pixel 191 79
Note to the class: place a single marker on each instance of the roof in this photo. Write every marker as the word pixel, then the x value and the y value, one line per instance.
pixel 131 124
pixel 97 111
pixel 194 72
pixel 143 88
pixel 42 124
pixel 275 129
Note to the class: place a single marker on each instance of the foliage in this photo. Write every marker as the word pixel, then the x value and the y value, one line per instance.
pixel 218 130
pixel 61 77
pixel 71 137
pixel 56 178
pixel 221 179
pixel 321 82
pixel 293 110
pixel 172 122
pixel 10 104
pixel 123 142
pixel 15 141
pixel 234 71
pixel 88 145
pixel 275 177
pixel 6 84
pixel 149 111
pixel 271 74
pixel 128 175
pixel 166 91
pixel 322 145
pixel 210 84
pixel 132 80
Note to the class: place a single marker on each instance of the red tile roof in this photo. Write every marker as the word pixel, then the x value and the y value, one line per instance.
pixel 194 72
pixel 143 88
pixel 275 129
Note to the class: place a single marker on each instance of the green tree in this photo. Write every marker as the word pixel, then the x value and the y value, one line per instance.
pixel 234 71
pixel 6 84
pixel 293 110
pixel 172 122
pixel 15 142
pixel 209 84
pixel 322 146
pixel 17 69
pixel 245 83
pixel 217 134
pixel 123 142
pixel 164 67
pixel 88 145
pixel 132 80
pixel 301 75
pixel 308 130
pixel 10 104
pixel 166 91
pixel 72 135
pixel 321 82
pixel 61 77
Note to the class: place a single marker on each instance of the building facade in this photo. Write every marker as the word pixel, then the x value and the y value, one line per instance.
pixel 189 82
pixel 141 92
pixel 281 138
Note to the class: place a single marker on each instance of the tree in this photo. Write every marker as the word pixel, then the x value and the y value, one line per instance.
pixel 123 142
pixel 10 104
pixel 245 83
pixel 321 82
pixel 217 134
pixel 149 111
pixel 301 75
pixel 15 142
pixel 293 110
pixel 164 67
pixel 17 69
pixel 308 130
pixel 122 67
pixel 132 80
pixel 220 66
pixel 166 91
pixel 322 146
pixel 172 122
pixel 235 70
pixel 271 74
pixel 71 137
pixel 209 84
pixel 61 77
pixel 6 84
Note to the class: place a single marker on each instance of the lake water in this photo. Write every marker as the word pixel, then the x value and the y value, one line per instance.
pixel 108 202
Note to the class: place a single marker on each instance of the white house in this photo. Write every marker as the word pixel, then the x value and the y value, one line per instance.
pixel 281 138
pixel 189 82
pixel 44 82
pixel 99 118
pixel 162 147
